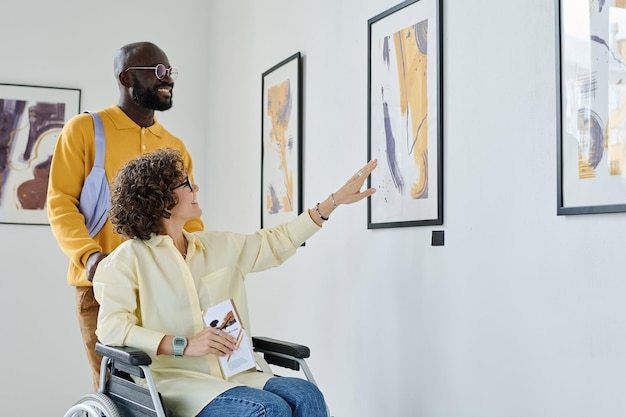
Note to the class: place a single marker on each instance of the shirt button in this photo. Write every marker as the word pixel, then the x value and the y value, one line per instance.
pixel 144 147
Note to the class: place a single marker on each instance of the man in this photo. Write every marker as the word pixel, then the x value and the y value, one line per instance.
pixel 146 82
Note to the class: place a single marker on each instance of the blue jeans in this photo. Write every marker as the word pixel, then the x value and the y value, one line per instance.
pixel 280 397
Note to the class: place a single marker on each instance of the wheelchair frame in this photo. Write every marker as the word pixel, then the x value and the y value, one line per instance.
pixel 118 395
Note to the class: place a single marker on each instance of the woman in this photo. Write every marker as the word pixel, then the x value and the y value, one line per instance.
pixel 153 288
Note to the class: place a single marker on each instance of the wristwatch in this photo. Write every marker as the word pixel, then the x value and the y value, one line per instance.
pixel 179 343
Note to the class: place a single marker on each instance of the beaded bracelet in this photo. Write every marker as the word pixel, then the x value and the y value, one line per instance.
pixel 317 208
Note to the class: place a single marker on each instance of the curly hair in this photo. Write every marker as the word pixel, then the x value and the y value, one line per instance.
pixel 143 193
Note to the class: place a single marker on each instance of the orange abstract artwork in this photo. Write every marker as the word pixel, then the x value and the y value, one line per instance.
pixel 280 196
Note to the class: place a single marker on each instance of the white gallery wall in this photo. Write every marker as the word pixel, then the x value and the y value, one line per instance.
pixel 520 314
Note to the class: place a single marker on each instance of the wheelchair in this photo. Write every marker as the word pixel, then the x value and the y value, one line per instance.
pixel 119 396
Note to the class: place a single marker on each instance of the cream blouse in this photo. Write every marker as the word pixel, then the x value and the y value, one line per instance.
pixel 146 290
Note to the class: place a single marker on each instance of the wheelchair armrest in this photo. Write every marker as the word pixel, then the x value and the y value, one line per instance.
pixel 125 354
pixel 125 359
pixel 278 352
pixel 267 344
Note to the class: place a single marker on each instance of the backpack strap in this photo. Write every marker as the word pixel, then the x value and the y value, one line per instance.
pixel 94 197
pixel 100 141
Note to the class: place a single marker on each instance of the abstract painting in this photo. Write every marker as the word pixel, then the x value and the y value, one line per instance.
pixel 591 87
pixel 31 118
pixel 405 115
pixel 281 165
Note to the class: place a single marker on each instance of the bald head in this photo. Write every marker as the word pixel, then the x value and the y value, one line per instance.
pixel 141 92
pixel 138 54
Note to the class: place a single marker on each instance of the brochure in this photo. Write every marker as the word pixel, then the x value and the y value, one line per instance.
pixel 224 316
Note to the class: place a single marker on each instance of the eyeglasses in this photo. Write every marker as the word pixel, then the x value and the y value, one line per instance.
pixel 185 183
pixel 160 71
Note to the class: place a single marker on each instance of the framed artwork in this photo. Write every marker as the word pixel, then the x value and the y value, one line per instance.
pixel 31 119
pixel 281 153
pixel 405 115
pixel 591 107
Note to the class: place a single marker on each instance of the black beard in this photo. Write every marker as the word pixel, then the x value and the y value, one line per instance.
pixel 149 99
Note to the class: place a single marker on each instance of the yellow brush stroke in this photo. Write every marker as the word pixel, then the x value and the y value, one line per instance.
pixel 412 68
pixel 276 98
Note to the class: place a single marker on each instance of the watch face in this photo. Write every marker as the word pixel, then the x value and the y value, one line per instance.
pixel 179 342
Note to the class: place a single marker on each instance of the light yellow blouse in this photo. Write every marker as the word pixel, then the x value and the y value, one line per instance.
pixel 147 290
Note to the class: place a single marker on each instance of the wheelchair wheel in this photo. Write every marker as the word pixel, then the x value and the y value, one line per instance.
pixel 97 403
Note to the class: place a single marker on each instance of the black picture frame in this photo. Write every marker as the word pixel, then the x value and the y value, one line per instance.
pixel 281 142
pixel 405 115
pixel 591 136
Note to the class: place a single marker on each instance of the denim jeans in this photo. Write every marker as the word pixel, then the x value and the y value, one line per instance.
pixel 280 397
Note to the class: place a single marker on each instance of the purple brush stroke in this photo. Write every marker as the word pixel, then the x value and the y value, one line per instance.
pixel 10 115
pixel 599 40
pixel 285 109
pixel 386 51
pixel 421 36
pixel 275 206
pixel 419 129
pixel 390 142
pixel 596 134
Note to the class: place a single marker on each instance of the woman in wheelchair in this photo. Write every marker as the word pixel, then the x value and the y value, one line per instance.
pixel 153 288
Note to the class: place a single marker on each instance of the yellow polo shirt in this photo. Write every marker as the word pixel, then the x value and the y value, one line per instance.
pixel 72 160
